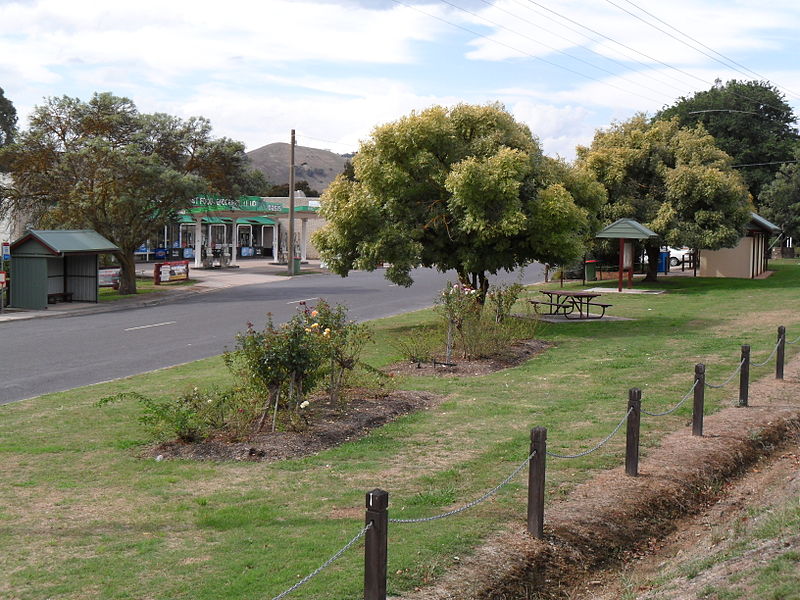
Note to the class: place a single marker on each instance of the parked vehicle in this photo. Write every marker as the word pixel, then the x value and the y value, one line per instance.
pixel 676 255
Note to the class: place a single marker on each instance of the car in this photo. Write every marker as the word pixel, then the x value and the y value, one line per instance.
pixel 677 255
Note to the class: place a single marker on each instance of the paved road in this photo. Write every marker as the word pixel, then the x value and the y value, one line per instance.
pixel 39 356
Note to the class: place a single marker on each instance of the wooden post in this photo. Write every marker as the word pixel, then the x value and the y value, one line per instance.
pixel 744 376
pixel 699 399
pixel 780 358
pixel 375 545
pixel 536 470
pixel 632 437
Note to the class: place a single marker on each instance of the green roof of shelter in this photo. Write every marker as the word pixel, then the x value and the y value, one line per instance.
pixel 627 229
pixel 759 222
pixel 68 241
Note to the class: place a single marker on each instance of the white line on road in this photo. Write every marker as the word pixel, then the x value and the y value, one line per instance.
pixel 148 326
pixel 304 300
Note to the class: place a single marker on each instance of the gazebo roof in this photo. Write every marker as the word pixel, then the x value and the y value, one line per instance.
pixel 627 229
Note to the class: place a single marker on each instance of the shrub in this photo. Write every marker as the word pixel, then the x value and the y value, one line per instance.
pixel 456 304
pixel 500 299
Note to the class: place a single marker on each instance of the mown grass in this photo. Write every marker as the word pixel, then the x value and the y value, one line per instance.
pixel 144 285
pixel 83 517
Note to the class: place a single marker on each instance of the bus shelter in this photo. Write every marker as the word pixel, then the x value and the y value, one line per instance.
pixel 49 266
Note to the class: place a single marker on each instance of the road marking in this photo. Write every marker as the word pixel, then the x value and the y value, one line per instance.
pixel 304 300
pixel 148 326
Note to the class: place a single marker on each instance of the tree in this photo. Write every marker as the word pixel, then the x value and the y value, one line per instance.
pixel 101 164
pixel 283 189
pixel 671 179
pixel 749 120
pixel 780 200
pixel 8 122
pixel 464 188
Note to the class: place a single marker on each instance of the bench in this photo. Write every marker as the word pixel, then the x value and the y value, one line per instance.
pixel 62 296
pixel 599 305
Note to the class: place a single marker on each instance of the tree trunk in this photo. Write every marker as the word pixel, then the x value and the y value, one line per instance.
pixel 653 249
pixel 127 275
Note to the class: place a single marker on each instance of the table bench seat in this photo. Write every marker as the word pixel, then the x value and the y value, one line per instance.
pixel 56 296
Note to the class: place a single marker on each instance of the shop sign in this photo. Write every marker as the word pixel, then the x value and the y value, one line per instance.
pixel 108 277
pixel 246 203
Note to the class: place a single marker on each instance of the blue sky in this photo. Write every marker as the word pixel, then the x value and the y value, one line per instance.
pixel 333 70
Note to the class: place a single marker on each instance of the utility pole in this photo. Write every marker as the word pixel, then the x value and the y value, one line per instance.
pixel 290 241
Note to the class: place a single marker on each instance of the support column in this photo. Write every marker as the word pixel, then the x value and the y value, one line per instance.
pixel 235 242
pixel 303 238
pixel 275 242
pixel 198 237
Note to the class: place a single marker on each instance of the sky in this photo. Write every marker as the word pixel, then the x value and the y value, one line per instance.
pixel 335 69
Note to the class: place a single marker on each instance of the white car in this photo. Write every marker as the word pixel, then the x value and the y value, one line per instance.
pixel 676 255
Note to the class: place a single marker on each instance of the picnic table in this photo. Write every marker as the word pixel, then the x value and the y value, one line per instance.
pixel 572 305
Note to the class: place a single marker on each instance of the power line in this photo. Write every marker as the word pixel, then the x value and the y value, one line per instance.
pixel 774 162
pixel 573 42
pixel 696 41
pixel 567 54
pixel 667 33
pixel 523 52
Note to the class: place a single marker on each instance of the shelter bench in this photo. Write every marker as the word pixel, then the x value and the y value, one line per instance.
pixel 62 296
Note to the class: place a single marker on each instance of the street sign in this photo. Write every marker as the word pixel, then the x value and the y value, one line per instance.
pixel 6 251
pixel 2 279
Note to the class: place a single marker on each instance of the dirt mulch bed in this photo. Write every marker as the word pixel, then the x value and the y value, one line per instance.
pixel 613 515
pixel 328 426
pixel 516 354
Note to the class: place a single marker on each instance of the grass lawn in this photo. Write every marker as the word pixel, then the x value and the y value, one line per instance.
pixel 82 517
pixel 144 285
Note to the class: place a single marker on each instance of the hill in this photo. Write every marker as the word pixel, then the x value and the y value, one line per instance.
pixel 318 167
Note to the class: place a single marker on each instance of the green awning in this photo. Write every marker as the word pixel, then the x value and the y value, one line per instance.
pixel 216 220
pixel 311 209
pixel 261 221
pixel 182 219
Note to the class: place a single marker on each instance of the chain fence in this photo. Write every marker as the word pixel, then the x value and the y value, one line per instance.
pixel 483 498
pixel 598 446
pixel 769 358
pixel 324 565
pixel 794 342
pixel 728 380
pixel 674 408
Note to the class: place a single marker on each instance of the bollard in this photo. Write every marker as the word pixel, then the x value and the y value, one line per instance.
pixel 375 545
pixel 536 470
pixel 744 376
pixel 699 399
pixel 779 360
pixel 632 437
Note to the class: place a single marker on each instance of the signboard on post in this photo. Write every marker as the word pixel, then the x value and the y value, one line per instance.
pixel 6 251
pixel 170 271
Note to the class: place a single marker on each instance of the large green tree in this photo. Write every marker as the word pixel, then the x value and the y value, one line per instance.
pixel 780 200
pixel 671 179
pixel 8 122
pixel 464 188
pixel 750 120
pixel 104 165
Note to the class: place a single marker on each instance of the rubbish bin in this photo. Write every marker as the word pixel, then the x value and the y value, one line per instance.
pixel 663 262
pixel 591 270
pixel 296 265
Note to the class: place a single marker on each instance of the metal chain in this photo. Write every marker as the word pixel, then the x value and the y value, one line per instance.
pixel 601 444
pixel 324 565
pixel 674 408
pixel 728 380
pixel 794 342
pixel 769 358
pixel 486 496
